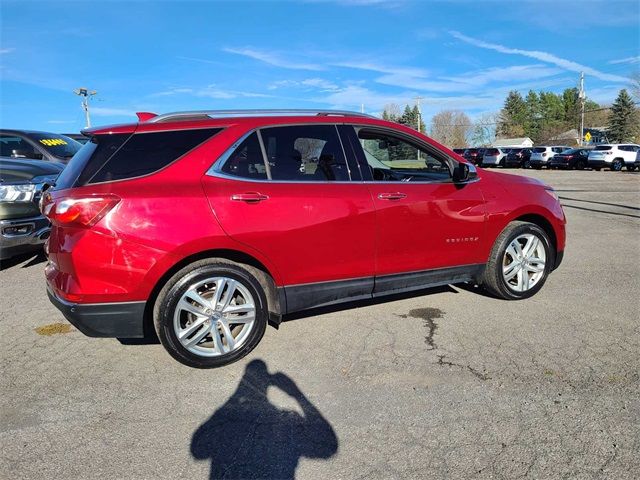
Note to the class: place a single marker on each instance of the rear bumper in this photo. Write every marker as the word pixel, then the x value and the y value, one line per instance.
pixel 122 320
pixel 20 235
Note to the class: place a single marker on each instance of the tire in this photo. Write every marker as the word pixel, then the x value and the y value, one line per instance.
pixel 617 165
pixel 597 169
pixel 631 168
pixel 526 164
pixel 204 277
pixel 494 280
pixel 580 165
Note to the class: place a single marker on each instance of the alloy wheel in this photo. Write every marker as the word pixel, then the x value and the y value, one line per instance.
pixel 214 316
pixel 523 264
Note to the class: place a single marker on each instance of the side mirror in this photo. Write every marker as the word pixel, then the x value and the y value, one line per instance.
pixel 464 172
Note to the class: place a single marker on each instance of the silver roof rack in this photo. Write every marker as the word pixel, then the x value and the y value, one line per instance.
pixel 197 114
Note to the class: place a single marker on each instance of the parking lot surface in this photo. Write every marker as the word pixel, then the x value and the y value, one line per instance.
pixel 447 383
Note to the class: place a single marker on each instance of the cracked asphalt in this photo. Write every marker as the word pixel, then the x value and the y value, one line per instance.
pixel 445 384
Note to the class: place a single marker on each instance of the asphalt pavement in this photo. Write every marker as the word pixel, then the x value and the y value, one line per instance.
pixel 447 383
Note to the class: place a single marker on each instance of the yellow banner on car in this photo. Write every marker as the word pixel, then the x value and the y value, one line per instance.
pixel 52 142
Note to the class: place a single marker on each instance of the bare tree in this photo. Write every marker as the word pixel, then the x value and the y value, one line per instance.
pixel 484 130
pixel 451 128
pixel 392 111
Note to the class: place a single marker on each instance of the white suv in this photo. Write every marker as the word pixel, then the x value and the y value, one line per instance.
pixel 494 156
pixel 614 156
pixel 540 156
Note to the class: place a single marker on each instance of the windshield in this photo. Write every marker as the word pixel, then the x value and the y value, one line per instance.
pixel 571 151
pixel 58 145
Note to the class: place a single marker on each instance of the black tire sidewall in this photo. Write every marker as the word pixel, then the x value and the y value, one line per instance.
pixel 169 301
pixel 524 228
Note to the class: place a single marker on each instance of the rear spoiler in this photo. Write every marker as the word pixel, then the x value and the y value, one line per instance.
pixel 144 116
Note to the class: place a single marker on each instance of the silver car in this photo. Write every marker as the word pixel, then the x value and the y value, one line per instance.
pixel 540 156
pixel 494 157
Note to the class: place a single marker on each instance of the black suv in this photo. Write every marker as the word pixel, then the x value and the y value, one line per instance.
pixel 29 144
pixel 22 227
pixel 574 158
pixel 518 158
pixel 474 155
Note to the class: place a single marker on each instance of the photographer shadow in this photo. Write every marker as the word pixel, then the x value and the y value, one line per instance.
pixel 248 437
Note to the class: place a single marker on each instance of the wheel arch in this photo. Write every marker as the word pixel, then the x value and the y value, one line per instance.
pixel 544 224
pixel 275 299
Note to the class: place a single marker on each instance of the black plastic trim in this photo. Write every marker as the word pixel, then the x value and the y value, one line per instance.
pixel 559 258
pixel 122 320
pixel 312 295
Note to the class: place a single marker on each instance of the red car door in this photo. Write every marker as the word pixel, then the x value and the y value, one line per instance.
pixel 424 220
pixel 299 209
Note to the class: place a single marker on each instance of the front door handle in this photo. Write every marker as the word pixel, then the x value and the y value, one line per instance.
pixel 251 197
pixel 392 196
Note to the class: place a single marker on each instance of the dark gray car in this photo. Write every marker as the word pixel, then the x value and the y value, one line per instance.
pixel 22 227
pixel 30 144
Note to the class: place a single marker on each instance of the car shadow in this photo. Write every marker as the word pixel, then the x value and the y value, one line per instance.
pixel 629 207
pixel 312 312
pixel 249 437
pixel 35 258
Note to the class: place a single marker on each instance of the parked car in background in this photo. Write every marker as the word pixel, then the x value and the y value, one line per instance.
pixel 574 158
pixel 22 227
pixel 540 156
pixel 494 157
pixel 518 158
pixel 29 144
pixel 636 164
pixel 459 151
pixel 474 155
pixel 613 156
pixel 78 137
pixel 391 211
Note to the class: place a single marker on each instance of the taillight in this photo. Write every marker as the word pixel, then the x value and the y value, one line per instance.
pixel 80 212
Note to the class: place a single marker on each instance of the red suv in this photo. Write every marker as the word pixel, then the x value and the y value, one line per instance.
pixel 208 225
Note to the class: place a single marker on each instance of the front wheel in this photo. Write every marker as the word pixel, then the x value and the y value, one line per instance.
pixel 526 164
pixel 520 262
pixel 211 313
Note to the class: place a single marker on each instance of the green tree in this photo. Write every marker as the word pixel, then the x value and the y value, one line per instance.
pixel 513 116
pixel 532 124
pixel 411 118
pixel 623 119
pixel 571 107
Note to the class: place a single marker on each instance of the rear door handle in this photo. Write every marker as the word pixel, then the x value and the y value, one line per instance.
pixel 251 197
pixel 392 196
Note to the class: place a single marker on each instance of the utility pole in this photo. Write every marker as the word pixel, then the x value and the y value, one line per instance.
pixel 418 100
pixel 582 97
pixel 85 93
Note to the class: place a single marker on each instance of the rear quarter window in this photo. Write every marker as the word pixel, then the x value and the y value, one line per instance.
pixel 107 158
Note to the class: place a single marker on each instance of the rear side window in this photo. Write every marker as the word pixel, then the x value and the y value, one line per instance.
pixel 246 161
pixel 603 147
pixel 540 149
pixel 305 153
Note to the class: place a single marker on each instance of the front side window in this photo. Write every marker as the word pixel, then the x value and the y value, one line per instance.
pixel 394 159
pixel 305 153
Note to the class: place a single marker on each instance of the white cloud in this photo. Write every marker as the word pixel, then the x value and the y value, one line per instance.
pixel 635 59
pixel 210 91
pixel 60 122
pixel 542 56
pixel 272 59
pixel 308 84
pixel 6 50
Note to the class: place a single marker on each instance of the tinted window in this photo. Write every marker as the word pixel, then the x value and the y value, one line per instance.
pixel 603 147
pixel 305 153
pixel 246 160
pixel 16 147
pixel 492 151
pixel 394 159
pixel 540 149
pixel 58 145
pixel 145 153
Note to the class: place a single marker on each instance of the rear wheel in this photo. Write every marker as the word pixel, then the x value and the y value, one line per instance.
pixel 211 313
pixel 526 164
pixel 631 168
pixel 520 262
pixel 617 165
pixel 580 165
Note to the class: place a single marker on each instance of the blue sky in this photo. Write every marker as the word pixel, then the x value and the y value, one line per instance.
pixel 163 56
